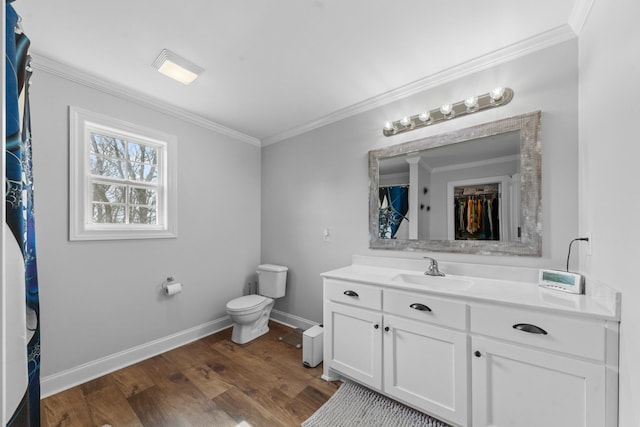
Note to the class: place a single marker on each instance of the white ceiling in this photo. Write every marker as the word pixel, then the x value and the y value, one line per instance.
pixel 276 68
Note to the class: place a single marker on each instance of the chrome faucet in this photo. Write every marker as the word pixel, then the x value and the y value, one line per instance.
pixel 432 270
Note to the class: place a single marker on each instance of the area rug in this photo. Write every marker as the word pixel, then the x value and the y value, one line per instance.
pixel 354 405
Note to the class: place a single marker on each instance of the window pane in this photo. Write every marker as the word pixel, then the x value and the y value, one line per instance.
pixel 142 153
pixel 109 193
pixel 142 196
pixel 101 166
pixel 150 173
pixel 106 145
pixel 143 172
pixel 140 215
pixel 108 214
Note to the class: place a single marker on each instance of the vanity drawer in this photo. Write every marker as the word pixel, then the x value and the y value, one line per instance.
pixel 426 308
pixel 577 336
pixel 353 293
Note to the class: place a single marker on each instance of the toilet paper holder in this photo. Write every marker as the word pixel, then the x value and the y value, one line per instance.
pixel 171 287
pixel 166 282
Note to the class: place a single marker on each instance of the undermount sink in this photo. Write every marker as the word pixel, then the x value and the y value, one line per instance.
pixel 434 282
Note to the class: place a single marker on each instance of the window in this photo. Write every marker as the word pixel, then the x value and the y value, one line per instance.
pixel 122 179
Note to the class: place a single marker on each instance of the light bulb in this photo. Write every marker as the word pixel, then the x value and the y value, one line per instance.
pixel 471 102
pixel 446 109
pixel 496 93
pixel 405 121
pixel 424 116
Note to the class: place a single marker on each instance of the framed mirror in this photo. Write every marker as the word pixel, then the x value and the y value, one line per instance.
pixel 474 190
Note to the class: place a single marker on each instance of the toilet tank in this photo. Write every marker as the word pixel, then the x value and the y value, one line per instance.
pixel 272 280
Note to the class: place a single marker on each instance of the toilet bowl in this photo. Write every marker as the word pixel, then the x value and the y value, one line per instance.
pixel 250 313
pixel 250 317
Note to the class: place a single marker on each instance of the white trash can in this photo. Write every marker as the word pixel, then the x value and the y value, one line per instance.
pixel 312 346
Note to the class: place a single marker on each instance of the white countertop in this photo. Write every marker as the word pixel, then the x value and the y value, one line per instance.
pixel 495 284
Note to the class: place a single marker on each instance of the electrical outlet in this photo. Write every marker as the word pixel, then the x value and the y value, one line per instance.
pixel 326 234
pixel 589 236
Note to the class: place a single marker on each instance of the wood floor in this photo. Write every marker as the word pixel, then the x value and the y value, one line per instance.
pixel 210 382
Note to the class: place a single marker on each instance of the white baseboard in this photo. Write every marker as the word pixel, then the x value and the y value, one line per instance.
pixel 64 380
pixel 291 320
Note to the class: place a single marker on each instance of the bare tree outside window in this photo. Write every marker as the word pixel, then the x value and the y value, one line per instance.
pixel 124 177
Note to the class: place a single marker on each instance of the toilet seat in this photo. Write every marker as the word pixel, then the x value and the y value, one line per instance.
pixel 246 303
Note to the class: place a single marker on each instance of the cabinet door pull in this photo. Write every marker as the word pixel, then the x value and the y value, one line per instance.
pixel 386 329
pixel 376 326
pixel 532 329
pixel 420 307
pixel 477 353
pixel 351 293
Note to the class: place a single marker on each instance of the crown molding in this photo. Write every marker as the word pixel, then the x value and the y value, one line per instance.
pixel 580 14
pixel 43 63
pixel 524 47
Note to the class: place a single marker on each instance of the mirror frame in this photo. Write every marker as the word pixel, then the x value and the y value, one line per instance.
pixel 530 243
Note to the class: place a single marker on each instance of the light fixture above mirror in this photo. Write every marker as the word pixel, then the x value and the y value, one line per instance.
pixel 473 104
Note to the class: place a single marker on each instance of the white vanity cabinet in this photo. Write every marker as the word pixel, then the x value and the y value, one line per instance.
pixel 496 353
pixel 408 345
pixel 532 368
pixel 352 331
pixel 425 353
pixel 354 344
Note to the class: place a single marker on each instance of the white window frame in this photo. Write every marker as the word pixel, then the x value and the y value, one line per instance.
pixel 81 123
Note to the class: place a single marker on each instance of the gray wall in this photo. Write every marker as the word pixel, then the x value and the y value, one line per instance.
pixel 99 298
pixel 319 179
pixel 609 155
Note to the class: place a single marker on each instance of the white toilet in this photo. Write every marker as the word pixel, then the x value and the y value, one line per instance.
pixel 250 313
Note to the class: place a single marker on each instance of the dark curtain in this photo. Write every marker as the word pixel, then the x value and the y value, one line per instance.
pixel 19 207
pixel 394 204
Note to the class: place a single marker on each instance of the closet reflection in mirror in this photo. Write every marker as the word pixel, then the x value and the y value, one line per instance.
pixel 464 191
pixel 475 190
pixel 483 212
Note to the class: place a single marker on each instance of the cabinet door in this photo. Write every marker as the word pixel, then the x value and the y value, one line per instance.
pixel 353 343
pixel 522 387
pixel 426 366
